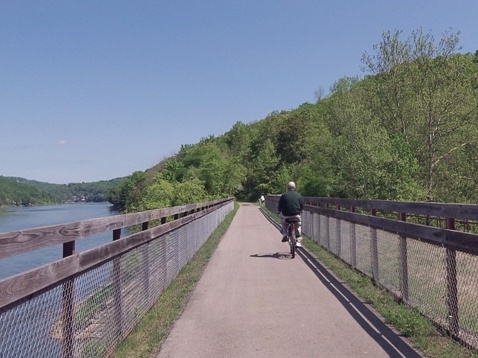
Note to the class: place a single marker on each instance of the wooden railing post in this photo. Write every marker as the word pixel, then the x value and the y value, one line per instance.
pixel 317 229
pixel 117 288
pixel 374 251
pixel 339 234
pixel 68 304
pixel 452 289
pixel 327 230
pixel 145 252
pixel 403 260
pixel 353 242
pixel 315 226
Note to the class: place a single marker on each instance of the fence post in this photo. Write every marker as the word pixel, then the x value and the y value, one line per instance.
pixel 353 242
pixel 117 288
pixel 163 269
pixel 451 280
pixel 68 303
pixel 317 218
pixel 145 252
pixel 327 231
pixel 403 260
pixel 374 251
pixel 317 227
pixel 339 234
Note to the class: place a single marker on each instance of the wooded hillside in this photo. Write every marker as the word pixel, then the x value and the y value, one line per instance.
pixel 20 191
pixel 408 130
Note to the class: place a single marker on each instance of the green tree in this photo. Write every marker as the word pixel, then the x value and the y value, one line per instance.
pixel 173 170
pixel 291 139
pixel 279 181
pixel 238 140
pixel 314 171
pixel 131 191
pixel 263 169
pixel 190 191
pixel 234 175
pixel 161 194
pixel 426 94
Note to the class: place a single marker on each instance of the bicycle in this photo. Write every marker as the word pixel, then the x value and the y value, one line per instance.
pixel 291 234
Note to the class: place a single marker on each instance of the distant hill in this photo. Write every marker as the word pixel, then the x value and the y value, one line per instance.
pixel 21 191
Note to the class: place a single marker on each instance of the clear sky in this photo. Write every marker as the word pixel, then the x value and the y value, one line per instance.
pixel 97 89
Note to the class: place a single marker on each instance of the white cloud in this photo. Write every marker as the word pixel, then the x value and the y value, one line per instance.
pixel 62 142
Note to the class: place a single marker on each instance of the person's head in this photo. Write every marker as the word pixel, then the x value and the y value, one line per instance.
pixel 291 185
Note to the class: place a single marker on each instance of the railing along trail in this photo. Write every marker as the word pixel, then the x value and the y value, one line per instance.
pixel 426 254
pixel 84 304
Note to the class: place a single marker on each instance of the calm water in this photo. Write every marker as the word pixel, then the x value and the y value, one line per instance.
pixel 31 335
pixel 19 218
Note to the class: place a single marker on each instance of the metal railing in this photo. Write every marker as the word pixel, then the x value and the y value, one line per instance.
pixel 423 253
pixel 84 304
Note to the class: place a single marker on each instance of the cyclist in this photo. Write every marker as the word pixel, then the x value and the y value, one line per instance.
pixel 290 206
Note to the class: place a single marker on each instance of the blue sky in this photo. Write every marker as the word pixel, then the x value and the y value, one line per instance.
pixel 95 90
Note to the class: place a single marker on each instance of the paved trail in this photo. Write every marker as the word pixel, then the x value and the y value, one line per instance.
pixel 254 301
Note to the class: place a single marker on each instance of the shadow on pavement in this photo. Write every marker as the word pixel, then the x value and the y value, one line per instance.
pixel 277 255
pixel 382 333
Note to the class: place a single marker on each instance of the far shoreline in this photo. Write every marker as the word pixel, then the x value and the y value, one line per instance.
pixel 4 208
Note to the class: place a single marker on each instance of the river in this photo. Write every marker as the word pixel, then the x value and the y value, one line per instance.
pixel 31 336
pixel 19 218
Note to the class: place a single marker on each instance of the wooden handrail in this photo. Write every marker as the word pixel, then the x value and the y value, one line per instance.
pixel 15 288
pixel 444 210
pixel 450 238
pixel 19 242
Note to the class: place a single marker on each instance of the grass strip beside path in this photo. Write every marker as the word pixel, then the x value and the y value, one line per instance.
pixel 148 334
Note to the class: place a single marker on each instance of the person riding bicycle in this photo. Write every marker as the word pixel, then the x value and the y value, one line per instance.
pixel 290 206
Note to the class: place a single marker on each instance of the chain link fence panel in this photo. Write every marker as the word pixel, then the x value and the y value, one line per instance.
pixel 440 283
pixel 89 314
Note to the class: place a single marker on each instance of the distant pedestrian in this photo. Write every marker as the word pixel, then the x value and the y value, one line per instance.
pixel 262 200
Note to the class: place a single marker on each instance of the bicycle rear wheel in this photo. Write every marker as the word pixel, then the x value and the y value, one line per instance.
pixel 292 241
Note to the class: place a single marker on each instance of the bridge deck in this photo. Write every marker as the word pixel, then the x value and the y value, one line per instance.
pixel 254 301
